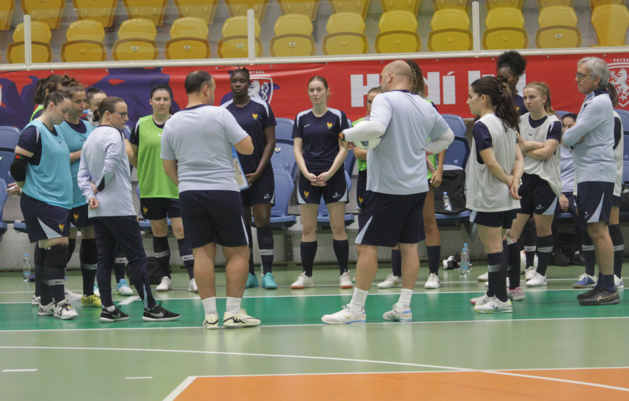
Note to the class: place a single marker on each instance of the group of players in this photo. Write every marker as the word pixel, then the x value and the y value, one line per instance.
pixel 185 173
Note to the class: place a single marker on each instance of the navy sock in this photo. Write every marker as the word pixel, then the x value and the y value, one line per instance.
pixel 40 278
pixel 619 248
pixel 308 252
pixel 119 264
pixel 396 262
pixel 55 269
pixel 162 253
pixel 514 266
pixel 588 253
pixel 38 259
pixel 71 248
pixel 498 275
pixel 341 250
pixel 186 256
pixel 88 254
pixel 266 245
pixel 529 239
pixel 434 254
pixel 544 252
pixel 608 283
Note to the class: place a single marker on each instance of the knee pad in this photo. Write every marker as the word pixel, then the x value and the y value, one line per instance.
pixel 89 252
pixel 56 257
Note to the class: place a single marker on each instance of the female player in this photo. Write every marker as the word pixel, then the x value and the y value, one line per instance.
pixel 320 156
pixel 496 166
pixel 159 197
pixel 255 116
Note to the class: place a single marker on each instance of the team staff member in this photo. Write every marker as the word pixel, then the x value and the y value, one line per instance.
pixel 496 166
pixel 197 156
pixel 41 168
pixel 397 184
pixel 256 117
pixel 105 179
pixel 320 157
pixel 159 197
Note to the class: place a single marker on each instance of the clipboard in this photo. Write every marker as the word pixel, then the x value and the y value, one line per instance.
pixel 240 174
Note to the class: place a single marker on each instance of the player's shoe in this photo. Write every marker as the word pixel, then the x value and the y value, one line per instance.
pixel 71 296
pixel 268 281
pixel 46 310
pixel 585 281
pixel 433 282
pixel 536 281
pixel 165 285
pixel 210 322
pixel 391 281
pixel 345 316
pixel 122 288
pixel 240 319
pixel 482 300
pixel 159 314
pixel 346 281
pixel 394 315
pixel 252 281
pixel 64 311
pixel 35 301
pixel 91 301
pixel 302 282
pixel 494 305
pixel 115 315
pixel 483 277
pixel 192 285
pixel 517 294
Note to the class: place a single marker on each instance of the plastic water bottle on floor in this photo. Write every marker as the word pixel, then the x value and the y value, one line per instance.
pixel 465 261
pixel 26 268
pixel 447 206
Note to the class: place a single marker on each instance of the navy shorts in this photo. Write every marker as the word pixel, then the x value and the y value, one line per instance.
pixel 615 201
pixel 159 208
pixel 537 196
pixel 44 221
pixel 572 205
pixel 594 201
pixel 493 219
pixel 261 191
pixel 361 187
pixel 213 216
pixel 334 191
pixel 79 218
pixel 386 220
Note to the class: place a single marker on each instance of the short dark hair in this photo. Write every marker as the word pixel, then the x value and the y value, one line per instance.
pixel 242 70
pixel 571 115
pixel 195 81
pixel 512 60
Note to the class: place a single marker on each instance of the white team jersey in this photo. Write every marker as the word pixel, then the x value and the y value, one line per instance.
pixel 548 170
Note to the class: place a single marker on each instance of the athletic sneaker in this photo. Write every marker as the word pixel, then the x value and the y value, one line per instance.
pixel 91 301
pixel 165 285
pixel 618 283
pixel 494 305
pixel 240 319
pixel 599 296
pixel 35 301
pixel 391 281
pixel 192 285
pixel 483 277
pixel 536 281
pixel 210 322
pixel 302 282
pixel 516 294
pixel 159 314
pixel 252 281
pixel 71 296
pixel 345 281
pixel 345 316
pixel 268 281
pixel 587 294
pixel 122 288
pixel 65 311
pixel 529 273
pixel 396 316
pixel 115 315
pixel 433 282
pixel 96 290
pixel 482 300
pixel 46 310
pixel 585 281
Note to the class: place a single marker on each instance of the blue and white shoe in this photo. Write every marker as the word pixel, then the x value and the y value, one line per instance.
pixel 345 316
pixel 585 281
pixel 618 283
pixel 96 291
pixel 122 288
pixel 268 282
pixel 395 315
pixel 252 281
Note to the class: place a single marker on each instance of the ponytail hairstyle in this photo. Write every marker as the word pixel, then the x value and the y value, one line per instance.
pixel 44 85
pixel 107 105
pixel 500 98
pixel 66 81
pixel 417 79
pixel 545 91
pixel 613 93
pixel 74 88
pixel 55 97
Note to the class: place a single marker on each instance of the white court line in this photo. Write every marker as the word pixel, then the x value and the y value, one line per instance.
pixel 138 378
pixel 18 370
pixel 180 388
pixel 552 379
pixel 129 300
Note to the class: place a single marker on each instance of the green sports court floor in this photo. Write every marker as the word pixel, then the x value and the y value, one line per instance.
pixel 550 348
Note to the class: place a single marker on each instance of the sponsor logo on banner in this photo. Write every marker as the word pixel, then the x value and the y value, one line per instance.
pixel 619 76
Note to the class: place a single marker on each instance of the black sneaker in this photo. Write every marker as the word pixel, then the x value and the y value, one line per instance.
pixel 592 293
pixel 560 259
pixel 601 297
pixel 159 314
pixel 114 316
pixel 578 259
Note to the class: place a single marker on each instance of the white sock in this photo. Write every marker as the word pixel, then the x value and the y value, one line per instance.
pixel 404 303
pixel 209 304
pixel 110 308
pixel 233 305
pixel 359 298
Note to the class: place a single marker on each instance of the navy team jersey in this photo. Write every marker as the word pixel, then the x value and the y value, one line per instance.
pixel 320 137
pixel 519 104
pixel 253 118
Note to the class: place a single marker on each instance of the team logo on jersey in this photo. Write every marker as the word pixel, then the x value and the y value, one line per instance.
pixel 360 200
pixel 145 209
pixel 329 125
pixel 619 76
pixel 61 227
pixel 255 116
pixel 306 194
pixel 76 217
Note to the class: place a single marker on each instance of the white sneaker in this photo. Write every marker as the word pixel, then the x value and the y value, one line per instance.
pixel 494 305
pixel 122 288
pixel 240 319
pixel 483 277
pixel 618 283
pixel 396 316
pixel 211 322
pixel 165 285
pixel 46 310
pixel 192 286
pixel 345 316
pixel 529 272
pixel 302 282
pixel 433 282
pixel 346 281
pixel 536 281
pixel 64 311
pixel 391 281
pixel 71 296
pixel 482 300
pixel 35 301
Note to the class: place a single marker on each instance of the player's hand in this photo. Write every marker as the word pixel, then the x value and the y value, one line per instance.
pixel 437 177
pixel 14 190
pixel 94 188
pixel 93 202
pixel 252 177
pixel 311 177
pixel 429 165
pixel 323 178
pixel 513 191
pixel 564 203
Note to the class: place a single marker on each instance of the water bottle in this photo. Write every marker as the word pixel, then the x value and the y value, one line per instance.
pixel 26 269
pixel 447 206
pixel 465 261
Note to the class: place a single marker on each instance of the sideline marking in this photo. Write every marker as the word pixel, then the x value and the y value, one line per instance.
pixel 139 378
pixel 129 300
pixel 18 370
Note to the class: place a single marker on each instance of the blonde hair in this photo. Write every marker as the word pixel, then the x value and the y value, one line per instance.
pixel 545 91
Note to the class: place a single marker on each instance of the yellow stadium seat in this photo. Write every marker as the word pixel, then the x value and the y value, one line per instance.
pixel 403 5
pixel 6 13
pixel 610 23
pixel 450 18
pixel 549 3
pixel 505 29
pixel 306 7
pixel 350 6
pixel 86 29
pixel 83 51
pixel 189 27
pixel 238 8
pixel 234 43
pixel 504 17
pixel 40 32
pixel 135 49
pixel 42 53
pixel 345 35
pixel 596 3
pixel 187 48
pixel 137 28
pixel 557 15
pixel 238 26
pixel 442 4
pixel 553 37
pixel 48 11
pixel 491 4
pixel 204 9
pixel 293 36
pixel 98 10
pixel 398 33
pixel 450 31
pixel 150 9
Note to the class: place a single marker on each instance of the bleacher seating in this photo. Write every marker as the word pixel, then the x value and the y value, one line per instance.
pixel 152 10
pixel 204 9
pixel 443 4
pixel 102 11
pixel 450 31
pixel 6 158
pixel 404 5
pixel 596 3
pixel 306 7
pixel 8 138
pixel 351 6
pixel 284 129
pixel 283 158
pixel 345 34
pixel 293 36
pixel 457 153
pixel 456 124
pixel 3 199
pixel 48 11
pixel 84 42
pixel 505 29
pixel 41 51
pixel 284 186
pixel 491 4
pixel 398 33
pixel 558 28
pixel 610 23
pixel 188 39
pixel 136 40
pixel 6 13
pixel 234 43
pixel 238 8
